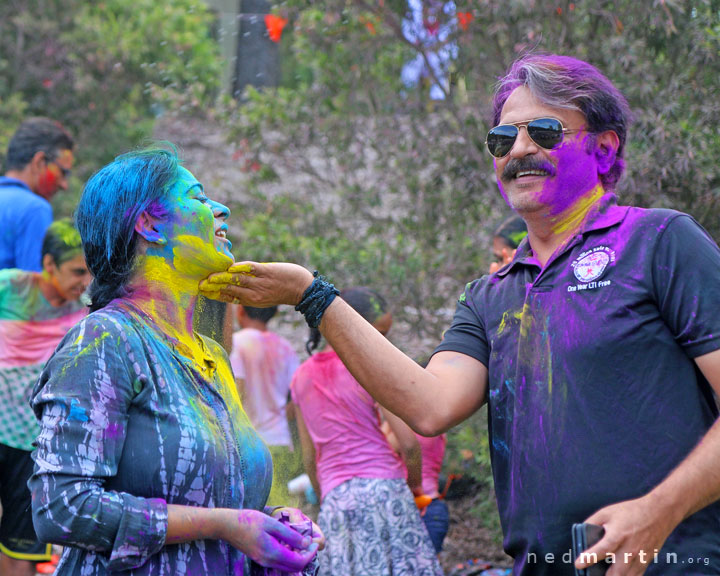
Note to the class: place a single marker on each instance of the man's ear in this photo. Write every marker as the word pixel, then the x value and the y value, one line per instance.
pixel 606 147
pixel 39 158
pixel 146 226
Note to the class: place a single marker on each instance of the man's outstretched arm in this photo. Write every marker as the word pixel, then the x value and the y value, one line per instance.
pixel 431 400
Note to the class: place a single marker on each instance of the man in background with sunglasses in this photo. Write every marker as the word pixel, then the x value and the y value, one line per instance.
pixel 38 163
pixel 597 348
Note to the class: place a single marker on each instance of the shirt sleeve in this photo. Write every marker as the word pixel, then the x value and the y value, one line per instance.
pixel 686 279
pixel 82 401
pixel 466 334
pixel 31 232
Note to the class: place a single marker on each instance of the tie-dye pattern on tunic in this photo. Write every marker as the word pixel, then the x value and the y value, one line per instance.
pixel 129 424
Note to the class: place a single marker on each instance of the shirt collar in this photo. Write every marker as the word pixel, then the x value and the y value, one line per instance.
pixel 7 181
pixel 604 214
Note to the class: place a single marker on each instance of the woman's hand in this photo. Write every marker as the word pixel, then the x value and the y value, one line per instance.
pixel 258 285
pixel 266 540
pixel 296 516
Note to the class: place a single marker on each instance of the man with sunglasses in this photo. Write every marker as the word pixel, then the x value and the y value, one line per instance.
pixel 597 348
pixel 38 163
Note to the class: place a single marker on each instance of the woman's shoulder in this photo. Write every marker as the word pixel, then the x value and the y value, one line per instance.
pixel 108 322
pixel 109 333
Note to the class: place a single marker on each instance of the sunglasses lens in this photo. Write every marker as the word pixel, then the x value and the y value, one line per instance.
pixel 546 132
pixel 500 139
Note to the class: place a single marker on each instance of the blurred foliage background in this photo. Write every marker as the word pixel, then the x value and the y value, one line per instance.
pixel 346 168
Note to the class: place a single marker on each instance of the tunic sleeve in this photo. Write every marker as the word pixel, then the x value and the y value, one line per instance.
pixel 82 401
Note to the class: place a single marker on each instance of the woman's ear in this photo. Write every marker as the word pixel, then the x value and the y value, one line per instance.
pixel 146 226
pixel 606 147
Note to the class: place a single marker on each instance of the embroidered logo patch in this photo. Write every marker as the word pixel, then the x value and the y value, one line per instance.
pixel 593 263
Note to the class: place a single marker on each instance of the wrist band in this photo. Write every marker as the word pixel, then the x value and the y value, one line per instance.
pixel 316 299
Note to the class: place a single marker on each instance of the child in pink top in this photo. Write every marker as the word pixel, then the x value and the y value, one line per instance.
pixel 367 513
pixel 263 363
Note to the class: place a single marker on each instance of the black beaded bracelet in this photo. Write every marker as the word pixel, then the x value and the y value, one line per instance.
pixel 316 299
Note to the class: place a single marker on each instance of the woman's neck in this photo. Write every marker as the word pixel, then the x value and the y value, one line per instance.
pixel 167 296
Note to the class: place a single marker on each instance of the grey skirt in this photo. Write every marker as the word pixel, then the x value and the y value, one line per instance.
pixel 373 528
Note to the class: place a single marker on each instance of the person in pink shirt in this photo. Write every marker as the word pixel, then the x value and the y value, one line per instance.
pixel 433 508
pixel 263 363
pixel 36 311
pixel 435 514
pixel 367 513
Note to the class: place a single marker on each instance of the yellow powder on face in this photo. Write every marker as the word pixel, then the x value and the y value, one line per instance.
pixel 193 257
pixel 572 218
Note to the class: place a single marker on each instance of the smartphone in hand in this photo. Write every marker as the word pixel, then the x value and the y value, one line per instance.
pixel 585 536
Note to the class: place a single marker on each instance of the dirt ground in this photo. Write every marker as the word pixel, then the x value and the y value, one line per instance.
pixel 467 538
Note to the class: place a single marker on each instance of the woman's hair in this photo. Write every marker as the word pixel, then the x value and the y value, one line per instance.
pixel 62 241
pixel 365 301
pixel 512 231
pixel 110 205
pixel 565 82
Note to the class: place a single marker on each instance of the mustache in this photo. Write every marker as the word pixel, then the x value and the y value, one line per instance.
pixel 516 165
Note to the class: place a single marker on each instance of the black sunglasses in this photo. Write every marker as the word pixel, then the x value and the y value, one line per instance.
pixel 545 132
pixel 64 171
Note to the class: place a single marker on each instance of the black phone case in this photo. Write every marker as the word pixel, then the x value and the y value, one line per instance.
pixel 585 536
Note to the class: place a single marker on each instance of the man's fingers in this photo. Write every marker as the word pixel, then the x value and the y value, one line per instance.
pixel 247 268
pixel 226 279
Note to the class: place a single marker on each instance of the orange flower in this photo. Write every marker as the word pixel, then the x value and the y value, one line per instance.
pixel 464 19
pixel 275 25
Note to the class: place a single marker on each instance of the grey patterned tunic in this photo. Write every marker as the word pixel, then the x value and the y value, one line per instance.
pixel 129 424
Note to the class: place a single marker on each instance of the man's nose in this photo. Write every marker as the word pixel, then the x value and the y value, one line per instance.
pixel 524 145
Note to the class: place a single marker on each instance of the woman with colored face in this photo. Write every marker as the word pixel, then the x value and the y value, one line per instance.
pixel 146 460
pixel 36 311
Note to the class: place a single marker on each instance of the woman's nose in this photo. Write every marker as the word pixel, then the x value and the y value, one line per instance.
pixel 220 211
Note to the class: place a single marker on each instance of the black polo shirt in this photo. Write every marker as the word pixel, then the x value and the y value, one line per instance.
pixel 593 393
